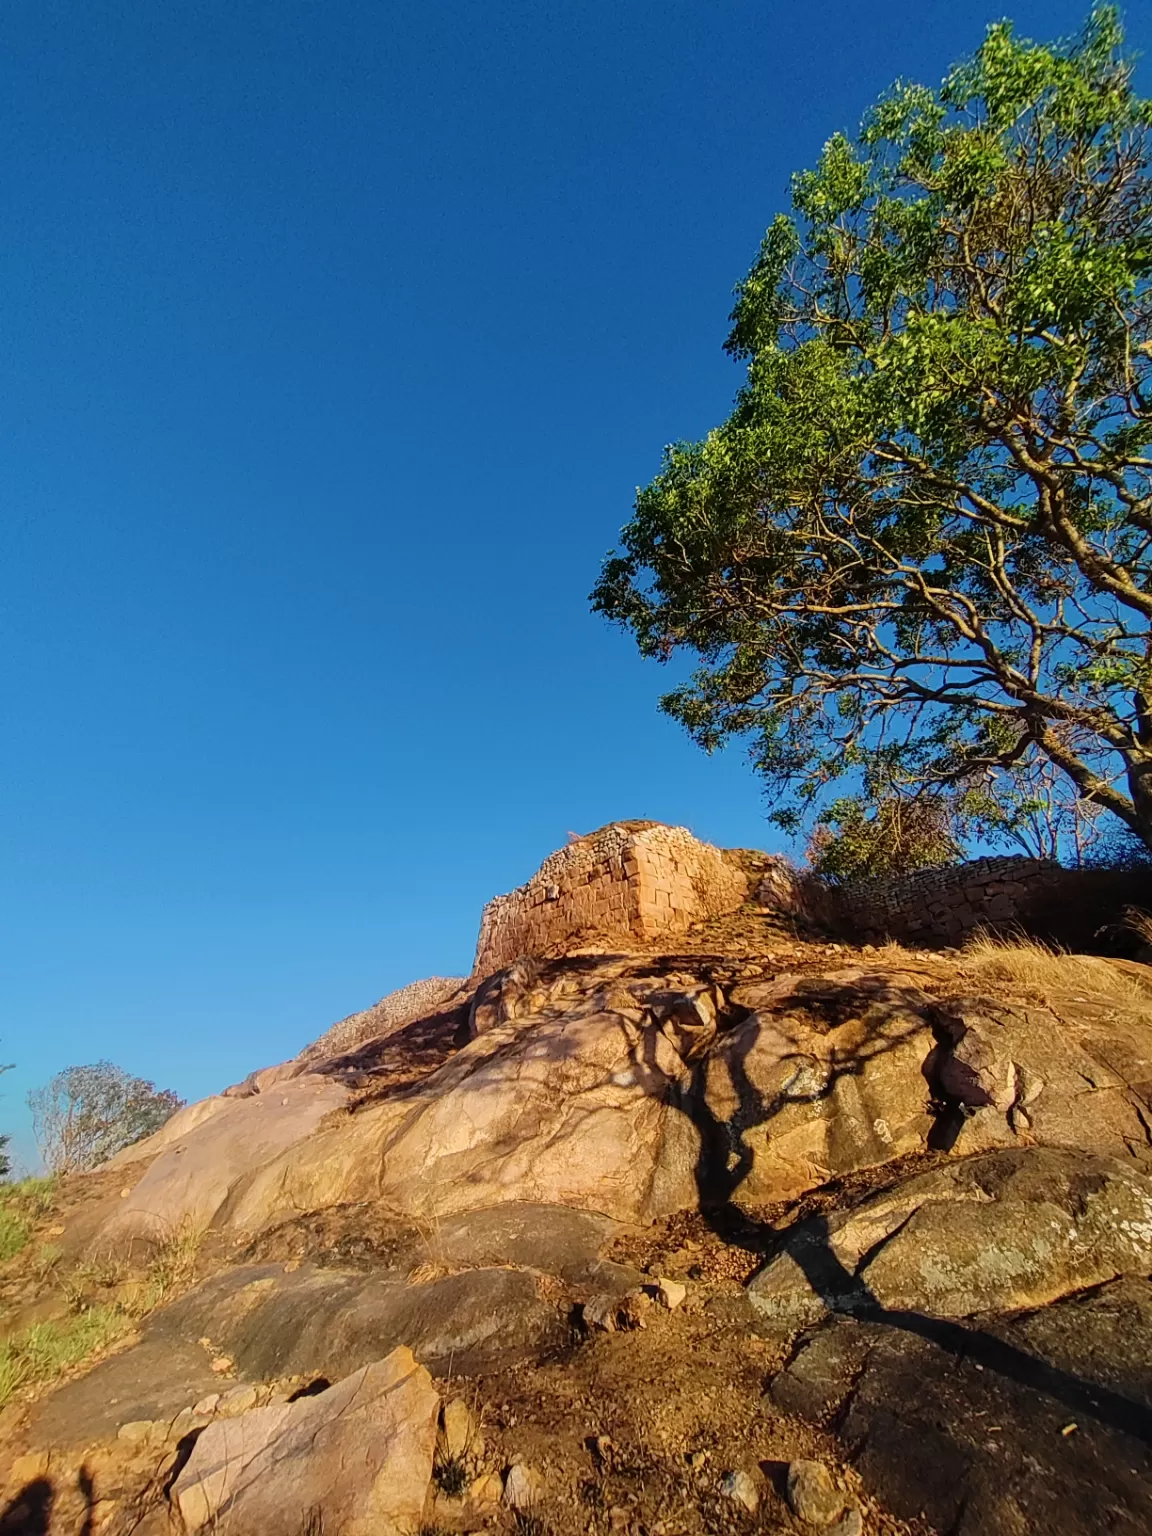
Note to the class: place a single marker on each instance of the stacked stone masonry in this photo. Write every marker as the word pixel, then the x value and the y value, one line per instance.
pixel 391 1013
pixel 946 905
pixel 636 884
pixel 632 883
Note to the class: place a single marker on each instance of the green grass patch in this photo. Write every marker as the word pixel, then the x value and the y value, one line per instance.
pixel 46 1350
pixel 15 1230
pixel 21 1204
pixel 33 1197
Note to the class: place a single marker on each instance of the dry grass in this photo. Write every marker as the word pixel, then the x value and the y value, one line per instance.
pixel 1140 923
pixel 1052 975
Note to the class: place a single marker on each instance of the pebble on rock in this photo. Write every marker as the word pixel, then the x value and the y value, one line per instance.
pixel 237 1401
pixel 670 1292
pixel 740 1488
pixel 812 1495
pixel 615 1314
pixel 137 1432
pixel 523 1486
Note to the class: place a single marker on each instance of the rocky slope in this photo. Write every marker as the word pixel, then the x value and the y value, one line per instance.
pixel 745 1229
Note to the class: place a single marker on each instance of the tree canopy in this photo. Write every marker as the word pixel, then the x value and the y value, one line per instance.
pixel 86 1114
pixel 919 551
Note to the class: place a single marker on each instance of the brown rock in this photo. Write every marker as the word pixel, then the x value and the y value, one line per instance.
pixel 138 1432
pixel 812 1494
pixel 523 1486
pixel 459 1435
pixel 810 1102
pixel 27 1468
pixel 999 1232
pixel 572 1110
pixel 209 1149
pixel 741 1488
pixel 488 1489
pixel 361 1452
pixel 617 1314
pixel 687 1020
pixel 670 1292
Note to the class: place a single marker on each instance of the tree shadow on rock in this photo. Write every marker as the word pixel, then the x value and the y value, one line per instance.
pixel 724 1162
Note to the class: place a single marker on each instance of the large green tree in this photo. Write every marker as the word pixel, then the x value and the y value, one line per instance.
pixel 919 551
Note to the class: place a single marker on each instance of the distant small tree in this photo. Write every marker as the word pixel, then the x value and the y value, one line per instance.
pixel 86 1114
pixel 855 840
pixel 5 1161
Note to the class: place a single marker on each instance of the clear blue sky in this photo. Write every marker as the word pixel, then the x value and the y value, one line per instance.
pixel 335 338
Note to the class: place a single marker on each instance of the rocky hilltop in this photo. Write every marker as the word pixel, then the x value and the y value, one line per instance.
pixel 681 1213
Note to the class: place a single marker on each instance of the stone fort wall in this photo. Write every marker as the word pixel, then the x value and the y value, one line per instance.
pixel 632 882
pixel 638 883
pixel 934 906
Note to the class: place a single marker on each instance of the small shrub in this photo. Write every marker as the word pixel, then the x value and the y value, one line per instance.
pixel 1139 923
pixel 527 1523
pixel 170 1268
pixel 21 1204
pixel 452 1476
pixel 15 1230
pixel 173 1264
pixel 856 840
pixel 45 1351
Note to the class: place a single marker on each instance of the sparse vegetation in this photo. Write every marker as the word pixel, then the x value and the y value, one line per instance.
pixel 87 1114
pixel 1049 974
pixel 20 1206
pixel 170 1267
pixel 15 1230
pixel 452 1476
pixel 1139 923
pixel 46 1350
pixel 106 1296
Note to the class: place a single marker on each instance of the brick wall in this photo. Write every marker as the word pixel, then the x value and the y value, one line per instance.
pixel 945 905
pixel 632 882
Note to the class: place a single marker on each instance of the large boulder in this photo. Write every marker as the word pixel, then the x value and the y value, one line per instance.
pixel 198 1163
pixel 833 1074
pixel 1081 1077
pixel 328 1322
pixel 356 1459
pixel 998 1232
pixel 575 1109
pixel 824 1077
pixel 635 1087
pixel 998 1427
